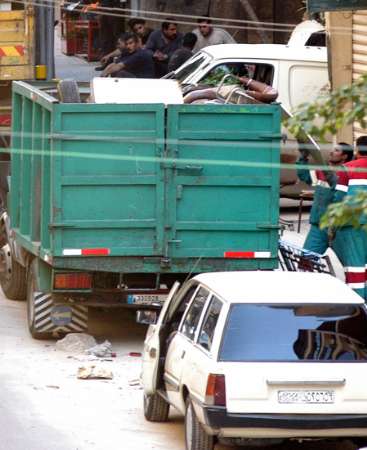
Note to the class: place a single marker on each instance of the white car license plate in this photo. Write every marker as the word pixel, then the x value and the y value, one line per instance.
pixel 146 299
pixel 304 397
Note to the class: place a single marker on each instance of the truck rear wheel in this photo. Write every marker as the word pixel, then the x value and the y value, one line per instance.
pixel 13 278
pixel 47 318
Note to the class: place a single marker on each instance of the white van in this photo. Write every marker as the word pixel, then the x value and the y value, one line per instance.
pixel 299 73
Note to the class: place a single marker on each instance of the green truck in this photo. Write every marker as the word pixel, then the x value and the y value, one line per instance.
pixel 110 204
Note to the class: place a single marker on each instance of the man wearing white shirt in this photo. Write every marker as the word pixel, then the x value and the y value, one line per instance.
pixel 209 35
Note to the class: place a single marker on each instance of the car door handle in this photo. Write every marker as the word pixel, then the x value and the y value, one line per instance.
pixel 183 354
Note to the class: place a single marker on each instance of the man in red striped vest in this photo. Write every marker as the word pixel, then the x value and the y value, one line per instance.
pixel 350 244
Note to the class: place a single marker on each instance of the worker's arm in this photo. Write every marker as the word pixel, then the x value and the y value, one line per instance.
pixel 341 187
pixel 259 91
pixel 112 68
pixel 302 173
pixel 116 53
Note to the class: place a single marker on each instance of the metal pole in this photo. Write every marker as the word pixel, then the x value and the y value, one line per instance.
pixel 252 15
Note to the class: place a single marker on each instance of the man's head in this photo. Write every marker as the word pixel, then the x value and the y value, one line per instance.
pixel 169 29
pixel 121 42
pixel 341 154
pixel 131 42
pixel 205 27
pixel 189 40
pixel 361 145
pixel 137 26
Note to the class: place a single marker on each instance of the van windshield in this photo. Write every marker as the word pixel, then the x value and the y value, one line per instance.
pixel 191 66
pixel 319 332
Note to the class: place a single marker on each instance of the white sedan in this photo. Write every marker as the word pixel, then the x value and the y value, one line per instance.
pixel 263 356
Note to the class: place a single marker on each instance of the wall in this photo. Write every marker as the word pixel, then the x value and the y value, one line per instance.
pixel 278 11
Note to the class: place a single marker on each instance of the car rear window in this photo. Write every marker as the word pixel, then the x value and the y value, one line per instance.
pixel 295 333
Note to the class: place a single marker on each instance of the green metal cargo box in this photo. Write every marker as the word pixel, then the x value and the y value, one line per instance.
pixel 184 186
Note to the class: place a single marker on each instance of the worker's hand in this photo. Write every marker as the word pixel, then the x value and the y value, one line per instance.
pixel 244 80
pixel 104 60
pixel 160 56
pixel 111 69
pixel 331 232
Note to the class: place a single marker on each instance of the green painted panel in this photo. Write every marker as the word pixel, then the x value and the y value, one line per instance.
pixel 335 5
pixel 224 181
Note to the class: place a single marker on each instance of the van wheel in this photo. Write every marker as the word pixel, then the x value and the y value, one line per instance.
pixel 195 436
pixel 156 408
pixel 13 278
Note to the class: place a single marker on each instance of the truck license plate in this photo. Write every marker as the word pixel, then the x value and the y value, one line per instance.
pixel 302 397
pixel 146 299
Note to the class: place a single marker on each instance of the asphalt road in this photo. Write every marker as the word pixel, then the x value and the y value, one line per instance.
pixel 44 406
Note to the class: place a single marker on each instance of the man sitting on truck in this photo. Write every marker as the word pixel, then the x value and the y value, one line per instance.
pixel 138 63
pixel 119 53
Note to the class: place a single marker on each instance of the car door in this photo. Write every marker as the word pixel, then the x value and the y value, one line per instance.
pixel 182 345
pixel 152 347
pixel 200 362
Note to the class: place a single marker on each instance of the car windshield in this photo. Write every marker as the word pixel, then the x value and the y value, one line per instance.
pixel 190 66
pixel 295 333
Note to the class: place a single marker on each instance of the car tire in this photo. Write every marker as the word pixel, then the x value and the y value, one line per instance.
pixel 68 91
pixel 156 408
pixel 13 279
pixel 196 437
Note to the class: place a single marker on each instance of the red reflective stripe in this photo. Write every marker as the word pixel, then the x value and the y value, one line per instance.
pixel 20 49
pixel 95 251
pixel 355 277
pixel 239 255
pixel 5 120
pixel 2 53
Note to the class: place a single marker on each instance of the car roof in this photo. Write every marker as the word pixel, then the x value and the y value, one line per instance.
pixel 278 287
pixel 267 51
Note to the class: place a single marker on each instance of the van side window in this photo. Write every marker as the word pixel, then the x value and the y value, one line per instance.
pixel 193 315
pixel 259 72
pixel 210 322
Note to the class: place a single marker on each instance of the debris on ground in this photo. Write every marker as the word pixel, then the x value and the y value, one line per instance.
pixel 135 382
pixel 135 354
pixel 52 386
pixel 76 343
pixel 103 350
pixel 94 373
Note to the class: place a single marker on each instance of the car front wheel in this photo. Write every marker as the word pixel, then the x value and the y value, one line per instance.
pixel 195 436
pixel 156 408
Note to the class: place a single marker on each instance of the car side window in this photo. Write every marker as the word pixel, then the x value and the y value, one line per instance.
pixel 210 322
pixel 192 318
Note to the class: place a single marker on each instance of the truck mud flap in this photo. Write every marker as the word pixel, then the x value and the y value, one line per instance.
pixel 51 317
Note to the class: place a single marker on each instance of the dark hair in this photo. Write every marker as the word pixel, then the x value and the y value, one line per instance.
pixel 121 37
pixel 347 150
pixel 129 36
pixel 136 21
pixel 189 40
pixel 204 19
pixel 361 144
pixel 167 23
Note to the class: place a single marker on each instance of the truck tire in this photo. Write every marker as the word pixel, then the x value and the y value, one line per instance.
pixel 195 436
pixel 13 279
pixel 68 91
pixel 46 318
pixel 156 408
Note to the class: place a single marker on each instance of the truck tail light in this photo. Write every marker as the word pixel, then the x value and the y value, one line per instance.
pixel 73 281
pixel 216 390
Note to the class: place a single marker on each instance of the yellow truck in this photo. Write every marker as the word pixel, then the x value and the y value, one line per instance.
pixel 17 56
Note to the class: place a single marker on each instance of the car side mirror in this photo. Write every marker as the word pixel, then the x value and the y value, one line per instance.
pixel 146 317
